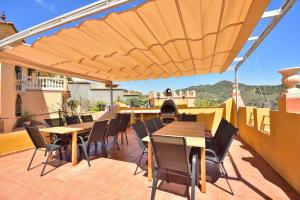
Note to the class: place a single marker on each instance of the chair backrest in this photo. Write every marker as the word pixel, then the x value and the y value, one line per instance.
pixel 141 132
pixel 54 122
pixel 74 119
pixel 36 137
pixel 188 118
pixel 113 127
pixel 223 148
pixel 119 115
pixel 220 132
pixel 158 122
pixel 98 131
pixel 151 126
pixel 171 153
pixel 86 118
pixel 124 120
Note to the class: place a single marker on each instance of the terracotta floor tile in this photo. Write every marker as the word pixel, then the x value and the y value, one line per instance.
pixel 19 191
pixel 250 177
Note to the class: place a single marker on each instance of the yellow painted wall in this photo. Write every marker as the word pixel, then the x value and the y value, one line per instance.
pixel 35 102
pixel 211 116
pixel 16 141
pixel 279 145
pixel 8 95
pixel 12 142
pixel 227 106
pixel 42 102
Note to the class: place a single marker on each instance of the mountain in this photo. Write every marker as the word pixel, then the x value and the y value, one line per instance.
pixel 259 96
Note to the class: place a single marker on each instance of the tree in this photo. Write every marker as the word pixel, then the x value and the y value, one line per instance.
pixel 99 106
pixel 137 101
pixel 206 102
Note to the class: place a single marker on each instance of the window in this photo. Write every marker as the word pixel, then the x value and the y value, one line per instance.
pixel 18 71
pixel 30 71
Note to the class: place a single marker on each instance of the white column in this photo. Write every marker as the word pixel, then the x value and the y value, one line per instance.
pixel 111 99
pixel 236 98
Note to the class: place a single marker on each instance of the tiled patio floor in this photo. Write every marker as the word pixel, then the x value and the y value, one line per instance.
pixel 112 178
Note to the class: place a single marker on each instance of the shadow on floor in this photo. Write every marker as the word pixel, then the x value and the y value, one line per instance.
pixel 268 172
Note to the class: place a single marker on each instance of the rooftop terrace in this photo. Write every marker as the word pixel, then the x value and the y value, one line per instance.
pixel 250 177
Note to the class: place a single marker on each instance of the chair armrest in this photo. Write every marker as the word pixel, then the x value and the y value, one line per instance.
pixel 57 140
pixel 54 143
pixel 81 139
pixel 211 151
pixel 55 137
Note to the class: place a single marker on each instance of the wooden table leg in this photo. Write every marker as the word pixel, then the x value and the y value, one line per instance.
pixel 142 117
pixel 203 170
pixel 74 148
pixel 122 138
pixel 150 161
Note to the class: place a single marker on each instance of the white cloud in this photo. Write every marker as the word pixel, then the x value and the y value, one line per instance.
pixel 46 6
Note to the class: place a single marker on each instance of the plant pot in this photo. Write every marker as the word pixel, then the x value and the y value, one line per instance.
pixel 290 79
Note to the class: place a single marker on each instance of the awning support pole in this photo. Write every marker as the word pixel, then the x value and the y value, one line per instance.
pixel 236 97
pixel 111 100
pixel 276 16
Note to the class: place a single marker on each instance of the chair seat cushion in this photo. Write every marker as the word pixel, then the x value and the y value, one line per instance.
pixel 209 156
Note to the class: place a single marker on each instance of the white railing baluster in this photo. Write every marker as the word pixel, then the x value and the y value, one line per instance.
pixel 24 83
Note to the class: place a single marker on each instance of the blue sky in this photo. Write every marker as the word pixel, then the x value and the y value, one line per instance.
pixel 281 49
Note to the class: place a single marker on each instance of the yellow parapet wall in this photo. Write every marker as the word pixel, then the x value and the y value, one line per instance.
pixel 13 142
pixel 210 115
pixel 275 135
pixel 16 141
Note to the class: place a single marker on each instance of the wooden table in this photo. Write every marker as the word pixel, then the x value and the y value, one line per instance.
pixel 194 133
pixel 73 130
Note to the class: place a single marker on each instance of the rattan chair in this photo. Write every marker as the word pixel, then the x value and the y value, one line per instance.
pixel 218 149
pixel 124 121
pixel 74 119
pixel 54 122
pixel 172 157
pixel 40 144
pixel 97 134
pixel 213 141
pixel 188 118
pixel 151 126
pixel 141 132
pixel 112 131
pixel 159 124
pixel 86 118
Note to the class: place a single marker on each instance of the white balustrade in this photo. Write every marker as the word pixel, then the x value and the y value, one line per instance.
pixel 40 83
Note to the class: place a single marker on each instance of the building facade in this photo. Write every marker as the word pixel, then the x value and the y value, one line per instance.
pixel 82 90
pixel 26 93
pixel 181 99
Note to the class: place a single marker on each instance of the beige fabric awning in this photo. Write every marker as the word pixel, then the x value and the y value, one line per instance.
pixel 159 39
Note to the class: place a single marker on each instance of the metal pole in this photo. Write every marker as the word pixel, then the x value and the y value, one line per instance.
pixel 277 15
pixel 111 99
pixel 236 97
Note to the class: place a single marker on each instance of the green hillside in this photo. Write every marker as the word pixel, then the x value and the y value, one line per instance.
pixel 252 95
